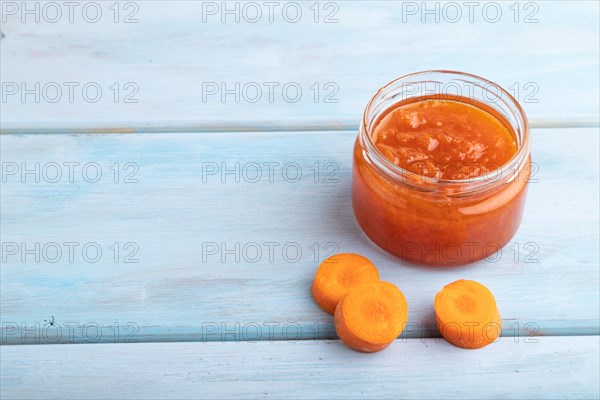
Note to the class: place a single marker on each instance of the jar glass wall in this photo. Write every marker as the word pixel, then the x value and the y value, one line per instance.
pixel 432 220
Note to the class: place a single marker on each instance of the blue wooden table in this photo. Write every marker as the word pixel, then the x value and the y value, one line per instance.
pixel 172 178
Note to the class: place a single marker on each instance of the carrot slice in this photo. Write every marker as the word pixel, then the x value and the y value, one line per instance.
pixel 371 316
pixel 338 274
pixel 467 315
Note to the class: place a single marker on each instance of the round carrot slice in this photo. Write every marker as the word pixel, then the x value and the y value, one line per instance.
pixel 371 316
pixel 338 274
pixel 467 315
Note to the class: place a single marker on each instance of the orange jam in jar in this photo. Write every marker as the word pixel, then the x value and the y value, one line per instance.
pixel 441 167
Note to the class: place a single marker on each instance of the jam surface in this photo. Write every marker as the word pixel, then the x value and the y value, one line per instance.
pixel 444 139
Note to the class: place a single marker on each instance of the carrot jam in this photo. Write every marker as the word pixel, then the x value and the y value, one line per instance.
pixel 444 139
pixel 420 183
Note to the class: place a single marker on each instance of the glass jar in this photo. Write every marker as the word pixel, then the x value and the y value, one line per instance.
pixel 435 221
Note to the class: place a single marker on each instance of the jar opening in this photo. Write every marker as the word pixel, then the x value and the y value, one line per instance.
pixel 454 86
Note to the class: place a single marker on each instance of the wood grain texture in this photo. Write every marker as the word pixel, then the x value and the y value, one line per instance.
pixel 546 281
pixel 170 53
pixel 555 367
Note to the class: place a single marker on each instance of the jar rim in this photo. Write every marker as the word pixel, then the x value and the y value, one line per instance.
pixel 433 184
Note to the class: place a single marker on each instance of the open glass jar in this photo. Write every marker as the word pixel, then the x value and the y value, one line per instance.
pixel 432 220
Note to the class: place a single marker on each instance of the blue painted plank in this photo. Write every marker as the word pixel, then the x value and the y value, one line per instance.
pixel 186 266
pixel 553 367
pixel 166 64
